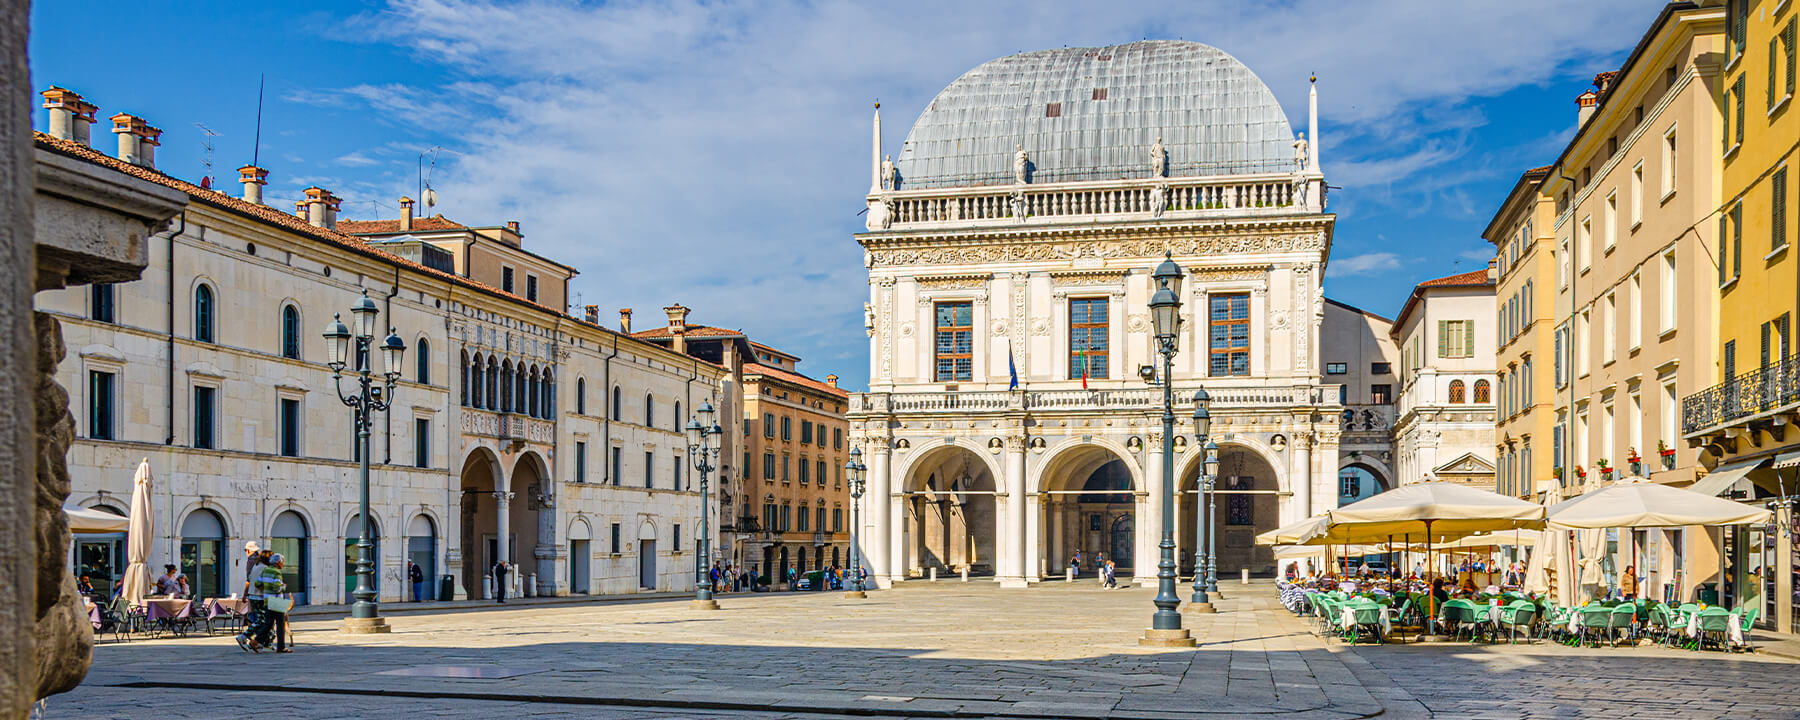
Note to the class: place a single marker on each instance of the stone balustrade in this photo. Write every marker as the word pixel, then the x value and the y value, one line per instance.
pixel 1114 200
pixel 1147 399
pixel 507 426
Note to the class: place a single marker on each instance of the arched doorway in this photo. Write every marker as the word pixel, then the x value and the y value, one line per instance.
pixel 480 545
pixel 533 532
pixel 1089 502
pixel 1247 502
pixel 421 550
pixel 352 536
pixel 647 576
pixel 580 555
pixel 949 514
pixel 203 553
pixel 1359 482
pixel 288 538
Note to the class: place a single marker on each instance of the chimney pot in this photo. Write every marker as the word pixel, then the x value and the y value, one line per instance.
pixel 831 380
pixel 513 227
pixel 406 214
pixel 1586 103
pixel 70 115
pixel 592 313
pixel 678 326
pixel 625 320
pixel 253 178
pixel 321 207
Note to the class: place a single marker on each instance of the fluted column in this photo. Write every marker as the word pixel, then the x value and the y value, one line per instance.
pixel 876 504
pixel 1149 532
pixel 1300 479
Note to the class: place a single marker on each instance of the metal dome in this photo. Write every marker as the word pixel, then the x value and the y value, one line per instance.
pixel 1094 113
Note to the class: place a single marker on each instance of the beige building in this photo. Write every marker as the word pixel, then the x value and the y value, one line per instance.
pixel 1446 400
pixel 1636 192
pixel 1360 355
pixel 1525 420
pixel 1008 424
pixel 212 367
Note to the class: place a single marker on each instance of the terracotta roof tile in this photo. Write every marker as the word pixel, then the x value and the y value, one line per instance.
pixel 1470 278
pixel 268 215
pixel 796 378
pixel 432 223
pixel 692 331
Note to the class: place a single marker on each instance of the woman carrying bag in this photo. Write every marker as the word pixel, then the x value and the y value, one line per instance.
pixel 266 588
pixel 278 606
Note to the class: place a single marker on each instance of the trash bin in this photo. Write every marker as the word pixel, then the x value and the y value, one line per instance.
pixel 446 587
pixel 1709 593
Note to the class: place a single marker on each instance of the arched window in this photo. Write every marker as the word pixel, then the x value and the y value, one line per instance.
pixel 530 403
pixel 649 411
pixel 423 358
pixel 290 332
pixel 548 405
pixel 678 426
pixel 618 405
pixel 204 311
pixel 203 556
pixel 506 380
pixel 1481 392
pixel 519 382
pixel 580 396
pixel 1457 393
pixel 288 536
pixel 492 383
pixel 464 386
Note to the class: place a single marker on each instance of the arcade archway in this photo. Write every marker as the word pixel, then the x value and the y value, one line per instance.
pixel 949 514
pixel 1247 502
pixel 1088 494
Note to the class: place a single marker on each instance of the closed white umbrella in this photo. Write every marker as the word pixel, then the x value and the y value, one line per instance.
pixel 1543 557
pixel 1593 549
pixel 85 521
pixel 1646 504
pixel 138 533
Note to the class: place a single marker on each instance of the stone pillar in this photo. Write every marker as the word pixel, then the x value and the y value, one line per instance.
pixel 898 564
pixel 502 527
pixel 1014 567
pixel 1149 530
pixel 1300 480
pixel 878 542
pixel 1784 572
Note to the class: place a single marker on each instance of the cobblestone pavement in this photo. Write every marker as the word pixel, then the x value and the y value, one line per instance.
pixel 926 650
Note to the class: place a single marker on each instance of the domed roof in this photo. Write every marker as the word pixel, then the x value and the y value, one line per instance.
pixel 1094 113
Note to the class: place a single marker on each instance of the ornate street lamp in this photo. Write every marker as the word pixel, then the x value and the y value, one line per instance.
pixel 1212 540
pixel 853 473
pixel 1200 601
pixel 703 450
pixel 355 351
pixel 1165 308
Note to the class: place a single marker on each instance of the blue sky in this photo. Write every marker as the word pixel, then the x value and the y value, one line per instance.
pixel 714 153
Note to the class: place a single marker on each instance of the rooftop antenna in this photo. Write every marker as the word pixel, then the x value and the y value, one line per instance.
pixel 206 141
pixel 426 194
pixel 256 150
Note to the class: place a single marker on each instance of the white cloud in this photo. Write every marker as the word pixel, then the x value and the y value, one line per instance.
pixel 1364 264
pixel 712 153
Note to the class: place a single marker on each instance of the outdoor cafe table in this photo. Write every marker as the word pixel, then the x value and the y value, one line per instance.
pixel 164 608
pixel 93 611
pixel 1735 626
pixel 228 606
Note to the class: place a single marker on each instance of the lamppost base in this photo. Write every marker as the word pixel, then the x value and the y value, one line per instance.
pixel 1198 607
pixel 856 595
pixel 708 604
pixel 364 626
pixel 1177 638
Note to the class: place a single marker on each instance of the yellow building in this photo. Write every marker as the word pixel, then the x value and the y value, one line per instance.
pixel 1745 424
pixel 1525 419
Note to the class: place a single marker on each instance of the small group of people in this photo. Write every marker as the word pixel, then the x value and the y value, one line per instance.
pixel 727 578
pixel 269 602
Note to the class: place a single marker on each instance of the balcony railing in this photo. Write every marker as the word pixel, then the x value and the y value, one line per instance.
pixel 1080 400
pixel 1114 199
pixel 1748 394
pixel 507 426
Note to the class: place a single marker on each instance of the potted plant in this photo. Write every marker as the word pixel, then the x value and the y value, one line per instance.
pixel 1667 453
pixel 1637 463
pixel 1580 472
pixel 1557 472
pixel 1605 470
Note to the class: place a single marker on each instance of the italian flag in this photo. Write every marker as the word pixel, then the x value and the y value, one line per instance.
pixel 1081 356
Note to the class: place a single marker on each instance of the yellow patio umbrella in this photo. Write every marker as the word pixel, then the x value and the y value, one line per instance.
pixel 1305 532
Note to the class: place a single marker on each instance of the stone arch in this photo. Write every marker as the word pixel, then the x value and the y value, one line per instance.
pixel 1236 516
pixel 1067 452
pixel 1104 521
pixel 479 475
pixel 950 515
pixel 533 523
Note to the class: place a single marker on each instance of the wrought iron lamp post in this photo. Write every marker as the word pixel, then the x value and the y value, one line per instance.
pixel 703 451
pixel 1212 528
pixel 853 473
pixel 1165 315
pixel 355 350
pixel 1200 601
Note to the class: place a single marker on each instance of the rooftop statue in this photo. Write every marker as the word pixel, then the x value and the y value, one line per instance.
pixel 1159 159
pixel 1020 162
pixel 1301 152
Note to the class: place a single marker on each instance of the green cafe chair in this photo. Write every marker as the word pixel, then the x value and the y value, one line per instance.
pixel 1596 620
pixel 1714 625
pixel 1621 623
pixel 1521 613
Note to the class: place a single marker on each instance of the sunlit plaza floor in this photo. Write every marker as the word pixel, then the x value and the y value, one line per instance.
pixel 944 649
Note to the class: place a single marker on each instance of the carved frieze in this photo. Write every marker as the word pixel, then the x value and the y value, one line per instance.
pixel 1056 250
pixel 953 282
pixel 1236 273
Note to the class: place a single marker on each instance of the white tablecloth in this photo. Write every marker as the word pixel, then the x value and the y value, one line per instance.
pixel 1387 626
pixel 1736 627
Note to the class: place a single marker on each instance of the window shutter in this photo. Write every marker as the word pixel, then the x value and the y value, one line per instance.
pixel 1738 89
pixel 1773 41
pixel 1766 327
pixel 1778 209
pixel 1468 348
pixel 1737 240
pixel 1443 332
pixel 1787 42
pixel 1724 244
pixel 1730 359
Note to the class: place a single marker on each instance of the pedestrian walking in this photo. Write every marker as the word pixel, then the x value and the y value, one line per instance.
pixel 500 570
pixel 278 607
pixel 265 582
pixel 417 578
pixel 1112 576
pixel 1075 563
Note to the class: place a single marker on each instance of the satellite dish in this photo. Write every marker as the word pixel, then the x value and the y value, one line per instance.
pixel 430 197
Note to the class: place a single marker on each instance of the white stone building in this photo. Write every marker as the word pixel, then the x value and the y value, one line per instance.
pixel 1447 339
pixel 1016 232
pixel 510 418
pixel 1360 355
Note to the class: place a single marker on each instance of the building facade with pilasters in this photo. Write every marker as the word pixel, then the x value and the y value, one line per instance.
pixel 1008 425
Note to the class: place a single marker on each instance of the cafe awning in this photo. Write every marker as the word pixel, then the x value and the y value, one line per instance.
pixel 1726 477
